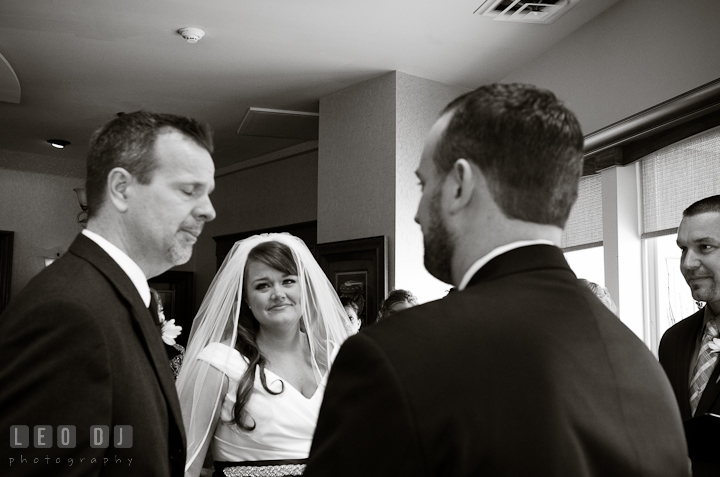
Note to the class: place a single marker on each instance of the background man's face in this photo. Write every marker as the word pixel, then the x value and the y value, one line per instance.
pixel 168 213
pixel 699 239
pixel 355 322
pixel 436 237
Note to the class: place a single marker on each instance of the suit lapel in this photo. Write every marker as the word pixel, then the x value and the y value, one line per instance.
pixel 712 389
pixel 153 344
pixel 711 392
pixel 148 332
pixel 685 352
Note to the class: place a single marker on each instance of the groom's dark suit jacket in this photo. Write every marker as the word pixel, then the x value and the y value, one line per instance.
pixel 525 372
pixel 78 347
pixel 677 349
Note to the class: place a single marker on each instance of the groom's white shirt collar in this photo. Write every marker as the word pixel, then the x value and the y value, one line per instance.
pixel 131 269
pixel 494 253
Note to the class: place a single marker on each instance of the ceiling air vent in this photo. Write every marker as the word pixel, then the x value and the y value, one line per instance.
pixel 279 123
pixel 540 11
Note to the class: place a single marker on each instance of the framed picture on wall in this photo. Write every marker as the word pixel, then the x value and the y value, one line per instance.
pixel 176 291
pixel 167 298
pixel 353 284
pixel 357 269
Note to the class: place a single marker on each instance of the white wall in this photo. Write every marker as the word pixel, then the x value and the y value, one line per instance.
pixel 633 56
pixel 270 195
pixel 371 137
pixel 419 102
pixel 41 209
pixel 356 164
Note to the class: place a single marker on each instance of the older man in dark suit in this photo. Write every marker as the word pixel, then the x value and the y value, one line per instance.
pixel 522 371
pixel 689 349
pixel 79 346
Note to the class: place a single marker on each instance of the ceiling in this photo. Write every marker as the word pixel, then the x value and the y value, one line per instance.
pixel 79 62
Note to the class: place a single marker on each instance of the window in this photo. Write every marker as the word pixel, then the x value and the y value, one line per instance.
pixel 584 227
pixel 678 145
pixel 673 178
pixel 588 263
pixel 582 236
pixel 669 294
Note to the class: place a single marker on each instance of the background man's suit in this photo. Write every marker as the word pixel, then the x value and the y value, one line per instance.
pixel 88 353
pixel 525 372
pixel 677 350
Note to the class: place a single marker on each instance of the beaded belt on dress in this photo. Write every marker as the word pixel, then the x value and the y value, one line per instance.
pixel 280 470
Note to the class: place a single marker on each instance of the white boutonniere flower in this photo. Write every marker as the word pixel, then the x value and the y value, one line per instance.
pixel 714 345
pixel 170 330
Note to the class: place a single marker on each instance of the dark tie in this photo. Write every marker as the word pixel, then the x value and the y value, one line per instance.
pixel 704 367
pixel 154 308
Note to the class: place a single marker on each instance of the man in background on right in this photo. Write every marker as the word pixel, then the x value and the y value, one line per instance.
pixel 688 350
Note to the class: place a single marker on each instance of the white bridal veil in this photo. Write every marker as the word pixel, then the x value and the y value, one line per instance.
pixel 323 316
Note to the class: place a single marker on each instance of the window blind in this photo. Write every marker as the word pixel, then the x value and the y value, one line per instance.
pixel 584 226
pixel 675 177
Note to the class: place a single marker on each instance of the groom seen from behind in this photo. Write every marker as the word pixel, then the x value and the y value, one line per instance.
pixel 79 346
pixel 522 371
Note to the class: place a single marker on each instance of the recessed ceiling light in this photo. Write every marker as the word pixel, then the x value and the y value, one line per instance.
pixel 59 143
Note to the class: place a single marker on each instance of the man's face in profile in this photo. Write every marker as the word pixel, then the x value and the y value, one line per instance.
pixel 169 212
pixel 699 239
pixel 436 237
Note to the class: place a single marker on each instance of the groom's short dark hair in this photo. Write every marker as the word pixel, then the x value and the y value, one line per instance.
pixel 525 142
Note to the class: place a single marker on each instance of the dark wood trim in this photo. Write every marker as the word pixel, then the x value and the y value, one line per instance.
pixel 366 255
pixel 641 148
pixel 6 262
pixel 177 289
pixel 589 166
pixel 608 158
pixel 632 138
pixel 584 246
pixel 660 233
pixel 306 231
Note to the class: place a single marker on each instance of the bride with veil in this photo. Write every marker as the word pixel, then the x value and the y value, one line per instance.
pixel 258 357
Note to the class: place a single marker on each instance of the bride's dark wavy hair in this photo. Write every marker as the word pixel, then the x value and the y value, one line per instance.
pixel 278 256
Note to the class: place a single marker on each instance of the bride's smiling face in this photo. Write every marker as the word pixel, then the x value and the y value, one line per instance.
pixel 273 295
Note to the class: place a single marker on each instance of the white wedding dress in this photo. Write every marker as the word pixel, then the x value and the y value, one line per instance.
pixel 284 423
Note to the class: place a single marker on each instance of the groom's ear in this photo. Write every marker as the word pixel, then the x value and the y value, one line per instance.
pixel 461 182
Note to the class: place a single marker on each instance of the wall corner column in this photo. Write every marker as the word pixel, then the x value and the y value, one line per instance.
pixel 623 244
